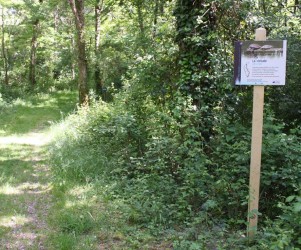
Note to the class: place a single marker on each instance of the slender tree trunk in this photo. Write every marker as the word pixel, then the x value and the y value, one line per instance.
pixel 4 50
pixel 97 78
pixel 285 15
pixel 98 8
pixel 56 18
pixel 33 50
pixel 33 53
pixel 156 12
pixel 296 6
pixel 73 73
pixel 140 18
pixel 161 6
pixel 77 7
pixel 264 7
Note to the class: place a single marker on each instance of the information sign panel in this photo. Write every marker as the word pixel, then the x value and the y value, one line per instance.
pixel 260 62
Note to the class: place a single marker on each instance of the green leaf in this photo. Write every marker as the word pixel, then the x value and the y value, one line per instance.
pixel 297 207
pixel 290 198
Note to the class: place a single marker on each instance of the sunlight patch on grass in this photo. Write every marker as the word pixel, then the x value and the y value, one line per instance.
pixel 35 188
pixel 79 190
pixel 26 187
pixel 33 139
pixel 81 196
pixel 9 190
pixel 22 103
pixel 13 221
pixel 80 203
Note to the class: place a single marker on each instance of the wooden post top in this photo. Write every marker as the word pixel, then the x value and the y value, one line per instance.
pixel 260 34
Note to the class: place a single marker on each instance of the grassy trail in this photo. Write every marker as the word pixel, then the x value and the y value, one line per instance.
pixel 25 187
pixel 41 210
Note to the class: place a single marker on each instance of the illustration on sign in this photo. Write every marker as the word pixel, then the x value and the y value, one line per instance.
pixel 260 62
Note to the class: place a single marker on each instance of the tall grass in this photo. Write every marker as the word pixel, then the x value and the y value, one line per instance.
pixel 89 211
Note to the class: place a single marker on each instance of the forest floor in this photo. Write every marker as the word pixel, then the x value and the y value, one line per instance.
pixel 25 177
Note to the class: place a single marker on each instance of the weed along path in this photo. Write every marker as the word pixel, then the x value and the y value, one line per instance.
pixel 25 188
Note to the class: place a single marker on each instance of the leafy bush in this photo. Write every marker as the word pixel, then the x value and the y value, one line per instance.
pixel 284 232
pixel 280 172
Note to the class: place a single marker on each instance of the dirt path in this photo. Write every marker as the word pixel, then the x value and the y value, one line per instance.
pixel 25 179
pixel 25 191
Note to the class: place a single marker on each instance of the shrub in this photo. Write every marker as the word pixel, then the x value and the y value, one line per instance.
pixel 280 171
pixel 284 231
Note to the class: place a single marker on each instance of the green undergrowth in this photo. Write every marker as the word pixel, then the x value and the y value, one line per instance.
pixel 88 212
pixel 151 184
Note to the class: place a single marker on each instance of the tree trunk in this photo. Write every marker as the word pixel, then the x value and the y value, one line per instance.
pixel 156 12
pixel 285 16
pixel 161 6
pixel 142 37
pixel 296 6
pixel 97 78
pixel 195 55
pixel 72 46
pixel 98 8
pixel 56 18
pixel 196 42
pixel 140 18
pixel 264 7
pixel 77 7
pixel 4 51
pixel 33 53
pixel 33 50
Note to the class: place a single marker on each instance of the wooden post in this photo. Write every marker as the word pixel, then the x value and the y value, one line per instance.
pixel 257 123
